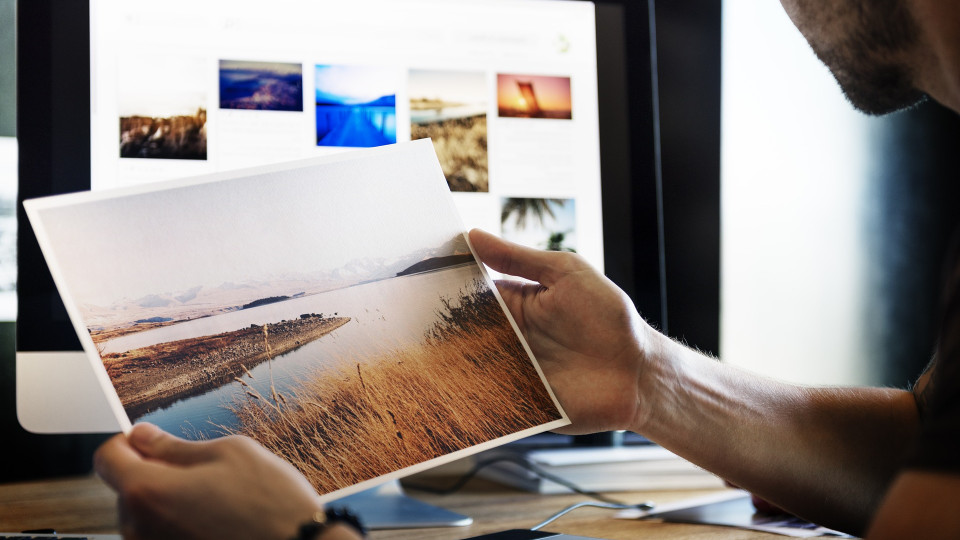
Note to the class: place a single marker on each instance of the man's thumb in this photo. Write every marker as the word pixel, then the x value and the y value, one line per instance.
pixel 515 260
pixel 154 443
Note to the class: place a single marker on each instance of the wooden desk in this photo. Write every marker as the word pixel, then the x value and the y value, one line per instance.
pixel 86 505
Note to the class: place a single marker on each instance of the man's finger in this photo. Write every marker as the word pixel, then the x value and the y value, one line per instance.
pixel 512 293
pixel 513 259
pixel 115 461
pixel 155 443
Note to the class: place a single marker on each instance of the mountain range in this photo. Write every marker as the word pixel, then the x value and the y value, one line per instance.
pixel 203 301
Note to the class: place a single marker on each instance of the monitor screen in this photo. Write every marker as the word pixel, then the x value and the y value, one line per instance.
pixel 506 89
pixel 544 135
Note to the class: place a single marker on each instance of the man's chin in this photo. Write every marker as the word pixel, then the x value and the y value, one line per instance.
pixel 881 95
pixel 887 107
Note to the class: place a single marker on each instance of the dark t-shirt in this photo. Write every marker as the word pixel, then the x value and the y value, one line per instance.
pixel 938 389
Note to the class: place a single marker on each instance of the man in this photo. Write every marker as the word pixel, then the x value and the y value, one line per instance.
pixel 880 462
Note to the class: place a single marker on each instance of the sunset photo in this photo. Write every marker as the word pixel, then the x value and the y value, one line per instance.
pixel 534 96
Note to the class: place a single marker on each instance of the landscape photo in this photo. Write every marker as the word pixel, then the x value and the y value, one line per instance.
pixel 264 86
pixel 534 96
pixel 163 108
pixel 450 108
pixel 356 106
pixel 548 224
pixel 353 335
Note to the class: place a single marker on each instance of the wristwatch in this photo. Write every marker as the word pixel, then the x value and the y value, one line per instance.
pixel 324 519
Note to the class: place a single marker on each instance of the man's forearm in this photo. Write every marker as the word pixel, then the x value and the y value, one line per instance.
pixel 827 454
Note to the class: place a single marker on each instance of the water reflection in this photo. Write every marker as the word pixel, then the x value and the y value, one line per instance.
pixel 383 314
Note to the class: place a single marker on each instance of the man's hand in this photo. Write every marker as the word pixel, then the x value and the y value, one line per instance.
pixel 583 330
pixel 225 488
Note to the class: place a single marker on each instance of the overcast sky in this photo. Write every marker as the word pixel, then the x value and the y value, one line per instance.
pixel 467 87
pixel 259 227
pixel 162 86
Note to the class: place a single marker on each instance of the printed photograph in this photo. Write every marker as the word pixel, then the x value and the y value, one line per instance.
pixel 534 96
pixel 540 223
pixel 354 336
pixel 356 106
pixel 263 86
pixel 450 108
pixel 163 108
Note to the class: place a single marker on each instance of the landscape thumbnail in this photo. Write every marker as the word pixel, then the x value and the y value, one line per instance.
pixel 540 223
pixel 356 106
pixel 162 103
pixel 266 86
pixel 450 108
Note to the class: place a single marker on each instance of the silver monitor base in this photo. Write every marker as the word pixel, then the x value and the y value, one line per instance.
pixel 388 507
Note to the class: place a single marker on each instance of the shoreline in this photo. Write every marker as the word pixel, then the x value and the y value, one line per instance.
pixel 156 376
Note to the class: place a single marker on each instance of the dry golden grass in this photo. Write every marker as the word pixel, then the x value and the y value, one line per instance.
pixel 461 145
pixel 469 381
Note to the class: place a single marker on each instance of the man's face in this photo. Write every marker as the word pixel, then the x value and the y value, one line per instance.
pixel 869 46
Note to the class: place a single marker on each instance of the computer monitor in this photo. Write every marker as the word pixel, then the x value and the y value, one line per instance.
pixel 538 92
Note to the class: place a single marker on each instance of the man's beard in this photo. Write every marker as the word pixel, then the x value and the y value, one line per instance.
pixel 872 61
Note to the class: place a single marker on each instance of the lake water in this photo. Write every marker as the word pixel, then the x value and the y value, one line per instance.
pixel 383 314
pixel 446 113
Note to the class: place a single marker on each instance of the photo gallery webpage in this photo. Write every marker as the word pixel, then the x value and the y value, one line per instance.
pixel 506 90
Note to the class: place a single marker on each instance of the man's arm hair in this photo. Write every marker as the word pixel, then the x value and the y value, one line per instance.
pixel 826 454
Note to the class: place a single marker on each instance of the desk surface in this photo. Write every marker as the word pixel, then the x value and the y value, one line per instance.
pixel 86 505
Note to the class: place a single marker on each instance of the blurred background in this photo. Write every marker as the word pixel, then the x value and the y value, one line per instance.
pixel 835 224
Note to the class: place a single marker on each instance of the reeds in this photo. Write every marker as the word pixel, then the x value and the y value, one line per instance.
pixel 466 382
pixel 461 146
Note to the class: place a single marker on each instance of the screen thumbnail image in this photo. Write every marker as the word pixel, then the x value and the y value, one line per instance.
pixel 534 96
pixel 450 108
pixel 356 106
pixel 540 223
pixel 163 108
pixel 266 86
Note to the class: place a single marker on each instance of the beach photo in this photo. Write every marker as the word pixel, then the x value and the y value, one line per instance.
pixel 163 108
pixel 548 224
pixel 263 86
pixel 356 106
pixel 534 96
pixel 450 108
pixel 353 335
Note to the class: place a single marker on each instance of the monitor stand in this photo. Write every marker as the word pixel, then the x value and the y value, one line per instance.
pixel 58 393
pixel 388 507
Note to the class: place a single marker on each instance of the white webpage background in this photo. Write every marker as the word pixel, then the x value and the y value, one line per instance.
pixel 535 158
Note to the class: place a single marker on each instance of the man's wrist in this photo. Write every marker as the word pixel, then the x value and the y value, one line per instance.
pixel 654 356
pixel 323 520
